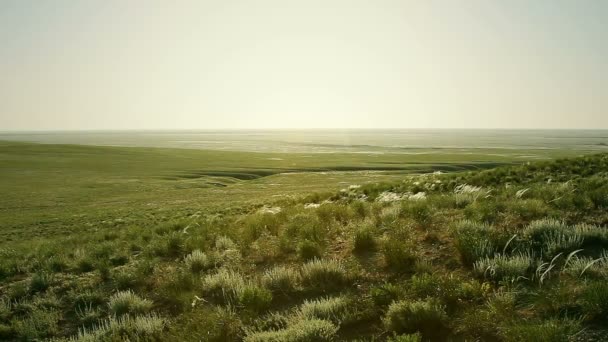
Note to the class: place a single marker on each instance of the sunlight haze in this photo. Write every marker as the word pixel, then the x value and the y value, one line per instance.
pixel 71 65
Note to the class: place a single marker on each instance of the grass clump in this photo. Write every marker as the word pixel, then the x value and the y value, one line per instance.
pixel 330 309
pixel 127 302
pixel 255 298
pixel 40 282
pixel 595 300
pixel 364 240
pixel 324 275
pixel 224 285
pixel 308 250
pixel 125 328
pixel 502 267
pixel 552 237
pixel 198 261
pixel 472 241
pixel 399 257
pixel 281 279
pixel 426 316
pixel 552 330
pixel 307 330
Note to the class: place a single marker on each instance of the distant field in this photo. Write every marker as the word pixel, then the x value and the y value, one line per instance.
pixel 398 141
pixel 51 189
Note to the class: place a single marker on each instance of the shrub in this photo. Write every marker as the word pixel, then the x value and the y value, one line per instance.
pixel 473 242
pixel 224 285
pixel 125 279
pixel 254 297
pixel 281 279
pixel 363 240
pixel 127 302
pixel 420 211
pixel 400 257
pixel 528 209
pixel 40 282
pixel 85 265
pixel 427 317
pixel 501 267
pixel 198 261
pixel 552 237
pixel 385 294
pixel 308 330
pixel 308 250
pixel 38 325
pixel 324 275
pixel 329 309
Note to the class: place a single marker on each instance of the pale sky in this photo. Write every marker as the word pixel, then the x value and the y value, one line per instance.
pixel 68 65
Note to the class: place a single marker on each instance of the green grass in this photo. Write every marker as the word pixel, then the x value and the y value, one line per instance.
pixel 471 259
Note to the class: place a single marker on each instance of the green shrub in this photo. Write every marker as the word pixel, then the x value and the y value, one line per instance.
pixel 85 265
pixel 254 297
pixel 364 240
pixel 224 285
pixel 281 279
pixel 324 275
pixel 420 211
pixel 427 317
pixel 552 237
pixel 308 250
pixel 198 261
pixel 385 294
pixel 37 325
pixel 473 242
pixel 308 330
pixel 528 209
pixel 330 309
pixel 127 302
pixel 40 282
pixel 399 256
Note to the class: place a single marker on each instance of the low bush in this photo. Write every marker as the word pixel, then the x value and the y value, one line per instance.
pixel 308 250
pixel 281 279
pixel 324 275
pixel 198 261
pixel 427 317
pixel 473 241
pixel 255 298
pixel 127 302
pixel 364 240
pixel 330 309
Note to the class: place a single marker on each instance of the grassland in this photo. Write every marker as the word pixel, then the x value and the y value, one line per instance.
pixel 60 189
pixel 157 244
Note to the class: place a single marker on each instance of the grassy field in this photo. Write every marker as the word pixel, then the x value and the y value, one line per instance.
pixel 59 189
pixel 161 244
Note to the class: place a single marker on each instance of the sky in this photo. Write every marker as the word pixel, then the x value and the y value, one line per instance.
pixel 115 64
